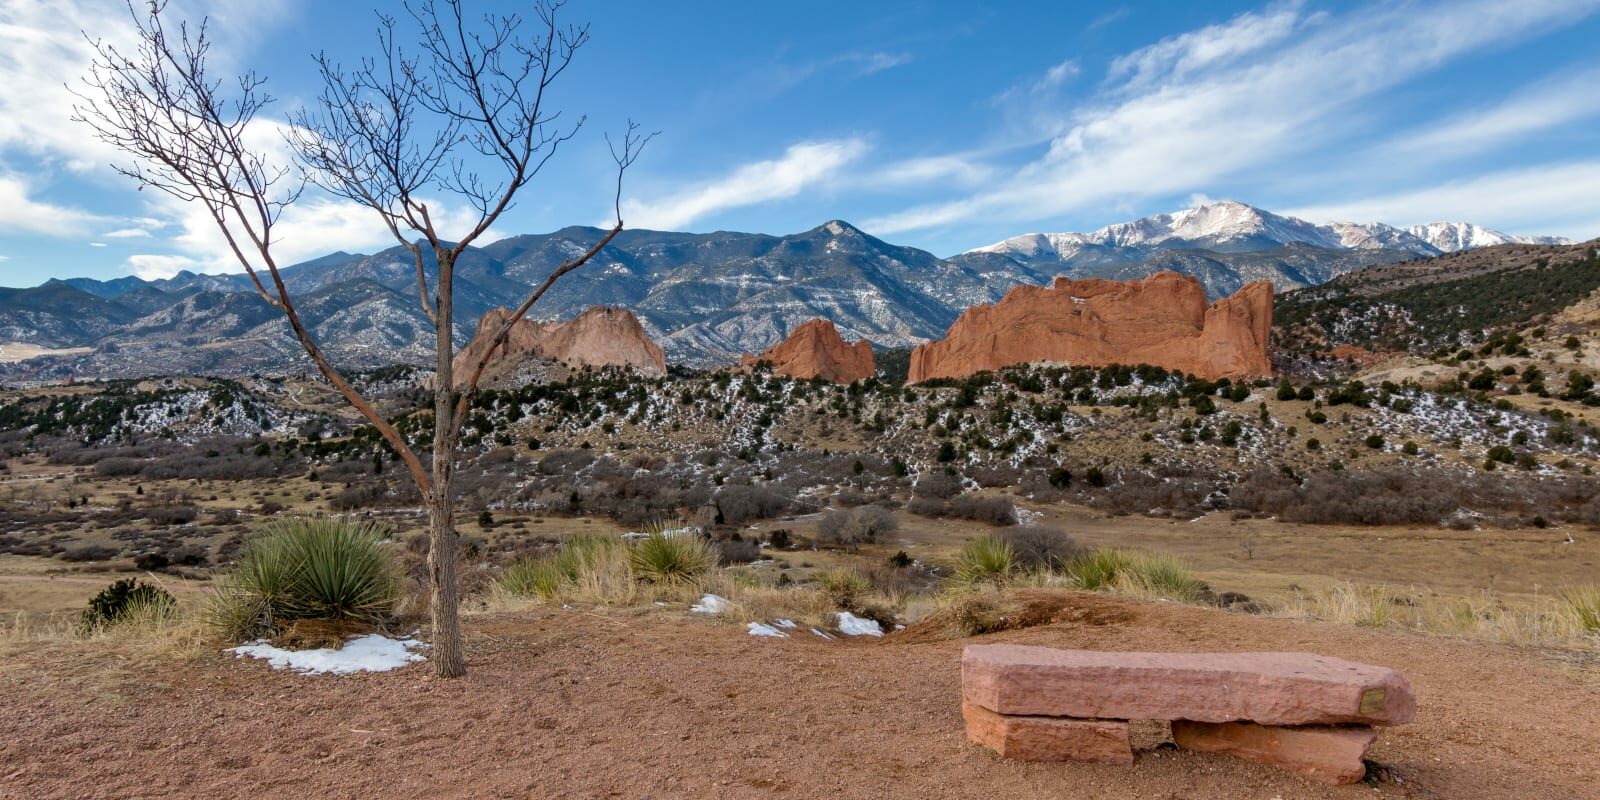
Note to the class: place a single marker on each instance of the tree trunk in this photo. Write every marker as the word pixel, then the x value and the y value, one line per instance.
pixel 448 661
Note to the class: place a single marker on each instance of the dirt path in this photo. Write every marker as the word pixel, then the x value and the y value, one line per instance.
pixel 567 704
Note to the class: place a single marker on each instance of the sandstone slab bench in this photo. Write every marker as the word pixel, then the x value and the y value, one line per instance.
pixel 1311 714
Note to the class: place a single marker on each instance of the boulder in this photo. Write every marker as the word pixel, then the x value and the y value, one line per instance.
pixel 815 350
pixel 1327 753
pixel 1162 320
pixel 599 337
pixel 1099 741
pixel 1268 688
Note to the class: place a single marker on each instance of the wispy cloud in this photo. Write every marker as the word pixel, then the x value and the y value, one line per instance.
pixel 1548 104
pixel 802 166
pixel 870 63
pixel 1186 112
pixel 23 213
pixel 1557 199
pixel 127 233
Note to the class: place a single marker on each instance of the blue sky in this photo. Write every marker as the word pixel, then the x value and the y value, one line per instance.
pixel 940 125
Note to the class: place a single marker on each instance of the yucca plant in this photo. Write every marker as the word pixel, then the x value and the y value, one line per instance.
pixel 1099 569
pixel 844 588
pixel 314 568
pixel 986 559
pixel 659 558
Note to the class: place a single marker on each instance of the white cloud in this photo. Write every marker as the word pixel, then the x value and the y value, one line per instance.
pixel 953 170
pixel 800 167
pixel 1191 110
pixel 1542 106
pixel 1176 57
pixel 4 259
pixel 98 244
pixel 127 233
pixel 1554 199
pixel 152 267
pixel 878 62
pixel 21 213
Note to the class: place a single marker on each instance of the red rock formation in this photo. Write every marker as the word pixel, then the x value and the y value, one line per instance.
pixel 815 350
pixel 1162 320
pixel 600 336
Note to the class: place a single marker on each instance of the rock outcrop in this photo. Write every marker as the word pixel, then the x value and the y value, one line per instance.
pixel 1306 713
pixel 815 350
pixel 599 337
pixel 1162 320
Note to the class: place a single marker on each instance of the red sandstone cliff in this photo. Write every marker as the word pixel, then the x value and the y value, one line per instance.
pixel 1162 320
pixel 815 350
pixel 600 336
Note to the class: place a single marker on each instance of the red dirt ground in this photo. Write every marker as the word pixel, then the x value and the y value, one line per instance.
pixel 576 704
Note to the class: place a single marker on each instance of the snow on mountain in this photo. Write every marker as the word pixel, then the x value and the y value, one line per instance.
pixel 1230 226
pixel 1449 237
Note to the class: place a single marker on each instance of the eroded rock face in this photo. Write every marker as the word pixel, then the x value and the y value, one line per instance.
pixel 1267 688
pixel 600 336
pixel 815 350
pixel 1162 320
pixel 1327 753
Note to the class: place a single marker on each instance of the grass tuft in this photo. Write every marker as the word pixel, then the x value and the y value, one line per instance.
pixel 986 559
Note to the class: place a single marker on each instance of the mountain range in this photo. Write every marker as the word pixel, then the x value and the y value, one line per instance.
pixel 705 297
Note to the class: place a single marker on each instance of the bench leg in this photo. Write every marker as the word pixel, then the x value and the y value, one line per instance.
pixel 1099 741
pixel 1327 753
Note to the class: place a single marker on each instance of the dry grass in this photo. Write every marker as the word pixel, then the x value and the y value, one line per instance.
pixel 1551 622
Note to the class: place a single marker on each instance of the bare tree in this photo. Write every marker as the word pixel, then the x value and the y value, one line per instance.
pixel 383 133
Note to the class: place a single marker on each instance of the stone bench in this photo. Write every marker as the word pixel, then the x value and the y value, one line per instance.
pixel 1311 714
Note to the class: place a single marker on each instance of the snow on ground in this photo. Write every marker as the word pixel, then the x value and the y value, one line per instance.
pixel 762 629
pixel 852 625
pixel 710 604
pixel 786 623
pixel 369 653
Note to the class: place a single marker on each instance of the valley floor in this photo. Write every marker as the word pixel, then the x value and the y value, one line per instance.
pixel 575 703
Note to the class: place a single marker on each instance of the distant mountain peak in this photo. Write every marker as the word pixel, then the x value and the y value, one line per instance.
pixel 838 227
pixel 1233 225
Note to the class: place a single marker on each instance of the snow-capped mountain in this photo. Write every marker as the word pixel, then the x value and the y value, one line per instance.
pixel 1448 237
pixel 704 297
pixel 1228 226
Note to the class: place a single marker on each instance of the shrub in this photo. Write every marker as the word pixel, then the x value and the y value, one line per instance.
pixel 318 568
pixel 740 504
pixel 986 559
pixel 127 600
pixel 993 510
pixel 858 526
pixel 1040 548
pixel 673 560
pixel 928 507
pixel 737 551
pixel 937 485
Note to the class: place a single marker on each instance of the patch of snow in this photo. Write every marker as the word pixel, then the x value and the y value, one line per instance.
pixel 710 604
pixel 786 623
pixel 852 625
pixel 763 629
pixel 821 634
pixel 369 653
